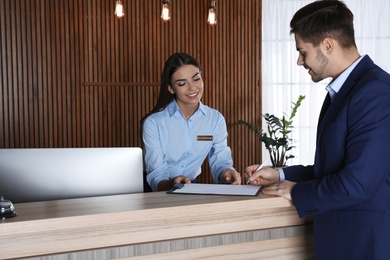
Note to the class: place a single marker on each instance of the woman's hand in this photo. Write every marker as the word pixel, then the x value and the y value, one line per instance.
pixel 165 185
pixel 230 176
pixel 181 179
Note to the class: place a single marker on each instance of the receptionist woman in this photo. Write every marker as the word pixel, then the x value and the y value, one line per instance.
pixel 180 132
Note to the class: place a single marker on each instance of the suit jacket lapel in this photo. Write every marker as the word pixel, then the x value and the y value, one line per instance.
pixel 329 108
pixel 324 116
pixel 324 108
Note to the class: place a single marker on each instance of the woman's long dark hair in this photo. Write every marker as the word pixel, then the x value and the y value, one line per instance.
pixel 174 62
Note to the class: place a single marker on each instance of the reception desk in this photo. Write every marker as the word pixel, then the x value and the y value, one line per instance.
pixel 157 226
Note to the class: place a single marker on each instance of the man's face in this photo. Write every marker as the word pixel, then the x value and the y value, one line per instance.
pixel 313 59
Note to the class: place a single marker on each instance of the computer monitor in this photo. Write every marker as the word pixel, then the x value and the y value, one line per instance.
pixel 35 174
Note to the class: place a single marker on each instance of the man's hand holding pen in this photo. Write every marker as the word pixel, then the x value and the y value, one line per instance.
pixel 268 178
pixel 262 177
pixel 257 169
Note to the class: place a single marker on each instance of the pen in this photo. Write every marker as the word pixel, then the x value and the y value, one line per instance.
pixel 258 168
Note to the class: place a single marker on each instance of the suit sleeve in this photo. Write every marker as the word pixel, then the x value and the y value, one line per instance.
pixel 354 155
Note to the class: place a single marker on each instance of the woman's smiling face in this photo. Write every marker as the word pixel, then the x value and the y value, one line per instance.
pixel 187 85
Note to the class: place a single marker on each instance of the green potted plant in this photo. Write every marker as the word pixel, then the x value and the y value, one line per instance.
pixel 277 139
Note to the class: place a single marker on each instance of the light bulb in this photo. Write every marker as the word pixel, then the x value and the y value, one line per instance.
pixel 165 11
pixel 212 19
pixel 119 9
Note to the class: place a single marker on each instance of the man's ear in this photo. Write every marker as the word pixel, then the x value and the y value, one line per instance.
pixel 328 45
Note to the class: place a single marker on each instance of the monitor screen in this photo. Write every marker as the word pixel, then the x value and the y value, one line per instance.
pixel 35 174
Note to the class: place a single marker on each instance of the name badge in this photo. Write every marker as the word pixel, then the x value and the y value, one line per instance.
pixel 205 138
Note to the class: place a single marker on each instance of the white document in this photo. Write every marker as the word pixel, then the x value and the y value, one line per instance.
pixel 215 189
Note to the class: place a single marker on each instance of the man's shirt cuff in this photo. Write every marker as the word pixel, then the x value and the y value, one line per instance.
pixel 282 177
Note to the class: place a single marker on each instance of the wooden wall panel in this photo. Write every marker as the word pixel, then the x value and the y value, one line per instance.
pixel 74 75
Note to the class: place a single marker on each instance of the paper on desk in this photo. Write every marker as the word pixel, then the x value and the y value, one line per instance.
pixel 215 189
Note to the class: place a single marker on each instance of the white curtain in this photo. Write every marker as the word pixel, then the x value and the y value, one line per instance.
pixel 284 80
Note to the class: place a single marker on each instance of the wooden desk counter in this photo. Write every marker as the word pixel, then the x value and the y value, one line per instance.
pixel 55 227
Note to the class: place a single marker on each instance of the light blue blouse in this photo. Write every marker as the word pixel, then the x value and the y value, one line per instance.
pixel 176 146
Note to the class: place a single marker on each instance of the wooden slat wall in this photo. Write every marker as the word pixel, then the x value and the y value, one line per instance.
pixel 74 75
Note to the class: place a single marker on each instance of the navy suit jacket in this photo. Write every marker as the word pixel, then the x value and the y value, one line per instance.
pixel 347 190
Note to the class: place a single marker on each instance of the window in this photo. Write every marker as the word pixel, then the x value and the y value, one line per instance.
pixel 284 80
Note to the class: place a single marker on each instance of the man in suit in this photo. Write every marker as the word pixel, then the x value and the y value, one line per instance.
pixel 347 190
